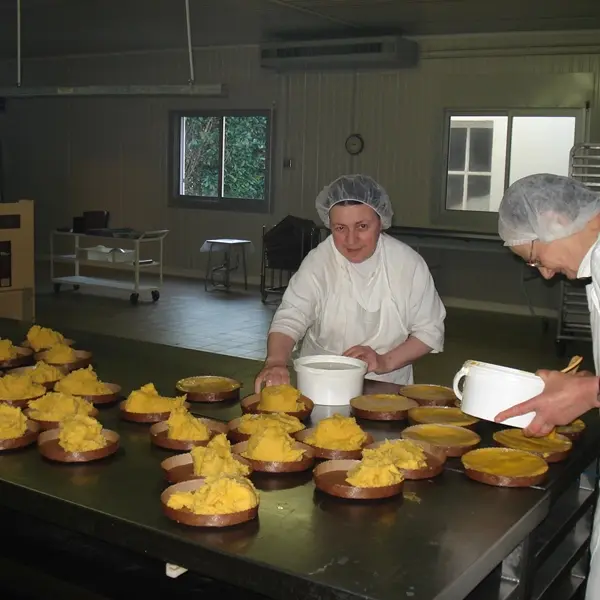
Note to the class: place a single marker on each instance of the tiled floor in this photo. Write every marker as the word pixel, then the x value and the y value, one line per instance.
pixel 235 323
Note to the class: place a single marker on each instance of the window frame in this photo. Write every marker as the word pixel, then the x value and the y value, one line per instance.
pixel 487 221
pixel 243 205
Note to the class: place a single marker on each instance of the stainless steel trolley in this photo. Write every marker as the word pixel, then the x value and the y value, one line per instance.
pixel 574 315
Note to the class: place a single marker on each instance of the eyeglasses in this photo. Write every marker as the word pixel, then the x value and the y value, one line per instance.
pixel 533 262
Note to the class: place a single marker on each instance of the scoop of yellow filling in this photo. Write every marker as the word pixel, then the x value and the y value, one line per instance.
pixel 43 372
pixel 272 444
pixel 82 382
pixel 442 435
pixel 504 462
pixel 404 454
pixel 208 384
pixel 575 427
pixel 374 471
pixel 280 398
pixel 19 387
pixel 218 496
pixel 55 406
pixel 441 415
pixel 337 433
pixel 216 459
pixel 7 350
pixel 147 400
pixel 514 438
pixel 80 433
pixel 60 354
pixel 13 423
pixel 184 426
pixel 42 338
pixel 250 424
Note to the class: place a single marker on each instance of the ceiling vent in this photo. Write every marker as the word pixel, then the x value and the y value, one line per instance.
pixel 340 54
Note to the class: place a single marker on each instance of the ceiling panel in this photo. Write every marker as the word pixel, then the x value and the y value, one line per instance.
pixel 56 27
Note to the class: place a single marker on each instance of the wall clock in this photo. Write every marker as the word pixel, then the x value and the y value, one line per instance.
pixel 355 144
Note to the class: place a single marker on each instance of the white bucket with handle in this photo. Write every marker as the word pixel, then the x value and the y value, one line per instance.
pixel 330 380
pixel 490 389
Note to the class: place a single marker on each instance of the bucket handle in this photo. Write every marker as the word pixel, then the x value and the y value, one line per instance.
pixel 464 371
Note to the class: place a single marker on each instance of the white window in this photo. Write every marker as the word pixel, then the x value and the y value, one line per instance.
pixel 487 153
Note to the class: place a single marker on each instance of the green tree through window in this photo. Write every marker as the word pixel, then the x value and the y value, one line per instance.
pixel 224 156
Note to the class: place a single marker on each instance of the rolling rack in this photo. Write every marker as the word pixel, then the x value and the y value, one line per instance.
pixel 574 314
pixel 283 248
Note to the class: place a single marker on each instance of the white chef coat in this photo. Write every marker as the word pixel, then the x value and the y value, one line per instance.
pixel 335 304
pixel 590 266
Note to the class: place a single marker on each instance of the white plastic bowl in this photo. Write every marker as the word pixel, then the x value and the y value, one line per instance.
pixel 330 380
pixel 490 389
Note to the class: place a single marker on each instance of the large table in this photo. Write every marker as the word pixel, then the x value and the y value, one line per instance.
pixel 449 538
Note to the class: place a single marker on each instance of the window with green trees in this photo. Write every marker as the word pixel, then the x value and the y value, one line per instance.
pixel 222 159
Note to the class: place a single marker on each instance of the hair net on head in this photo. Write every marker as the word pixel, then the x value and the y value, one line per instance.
pixel 357 188
pixel 545 207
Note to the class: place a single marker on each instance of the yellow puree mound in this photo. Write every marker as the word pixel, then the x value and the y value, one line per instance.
pixel 337 433
pixel 56 406
pixel 218 496
pixel 13 423
pixel 147 400
pixel 82 382
pixel 251 424
pixel 7 350
pixel 280 398
pixel 61 354
pixel 19 387
pixel 272 444
pixel 41 338
pixel 43 372
pixel 184 426
pixel 216 459
pixel 80 433
pixel 404 454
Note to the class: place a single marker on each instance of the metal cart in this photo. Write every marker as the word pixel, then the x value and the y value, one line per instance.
pixel 574 315
pixel 124 253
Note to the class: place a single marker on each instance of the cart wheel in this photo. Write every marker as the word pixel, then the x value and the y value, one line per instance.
pixel 56 288
pixel 134 298
pixel 155 295
pixel 75 287
pixel 561 348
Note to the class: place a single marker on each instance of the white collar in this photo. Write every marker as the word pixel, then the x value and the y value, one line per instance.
pixel 585 268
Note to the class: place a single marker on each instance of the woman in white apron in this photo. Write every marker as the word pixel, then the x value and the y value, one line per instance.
pixel 360 293
pixel 553 223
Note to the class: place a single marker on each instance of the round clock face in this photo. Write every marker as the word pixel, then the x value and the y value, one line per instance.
pixel 355 144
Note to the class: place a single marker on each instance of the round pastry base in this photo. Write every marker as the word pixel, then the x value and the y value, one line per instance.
pixel 329 454
pixel 181 468
pixel 145 417
pixel 159 435
pixel 186 386
pixel 549 457
pixel 50 448
pixel 362 407
pixel 83 359
pixel 441 415
pixel 187 517
pixel 250 405
pixel 430 394
pixel 330 477
pixel 48 425
pixel 109 398
pixel 28 438
pixel 236 435
pixel 412 433
pixel 66 342
pixel 21 402
pixel 24 356
pixel 262 466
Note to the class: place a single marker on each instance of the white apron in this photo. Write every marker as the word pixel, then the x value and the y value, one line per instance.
pixel 593 583
pixel 345 323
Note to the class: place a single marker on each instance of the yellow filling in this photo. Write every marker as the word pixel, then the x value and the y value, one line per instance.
pixel 337 433
pixel 55 406
pixel 42 338
pixel 79 433
pixel 82 382
pixel 13 423
pixel 208 384
pixel 575 427
pixel 374 471
pixel 184 426
pixel 216 459
pixel 60 354
pixel 251 424
pixel 147 400
pixel 441 415
pixel 429 392
pixel 504 462
pixel 218 496
pixel 19 387
pixel 272 444
pixel 382 402
pixel 43 373
pixel 514 438
pixel 404 454
pixel 7 350
pixel 280 398
pixel 442 435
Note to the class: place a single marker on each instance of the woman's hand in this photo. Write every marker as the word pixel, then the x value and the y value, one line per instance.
pixel 565 397
pixel 272 374
pixel 367 354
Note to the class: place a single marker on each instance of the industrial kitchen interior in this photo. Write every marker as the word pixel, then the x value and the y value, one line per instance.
pixel 165 169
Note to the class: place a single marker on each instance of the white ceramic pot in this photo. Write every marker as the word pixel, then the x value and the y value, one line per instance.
pixel 330 380
pixel 490 389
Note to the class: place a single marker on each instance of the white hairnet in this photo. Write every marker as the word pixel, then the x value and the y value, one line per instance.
pixel 545 207
pixel 357 188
